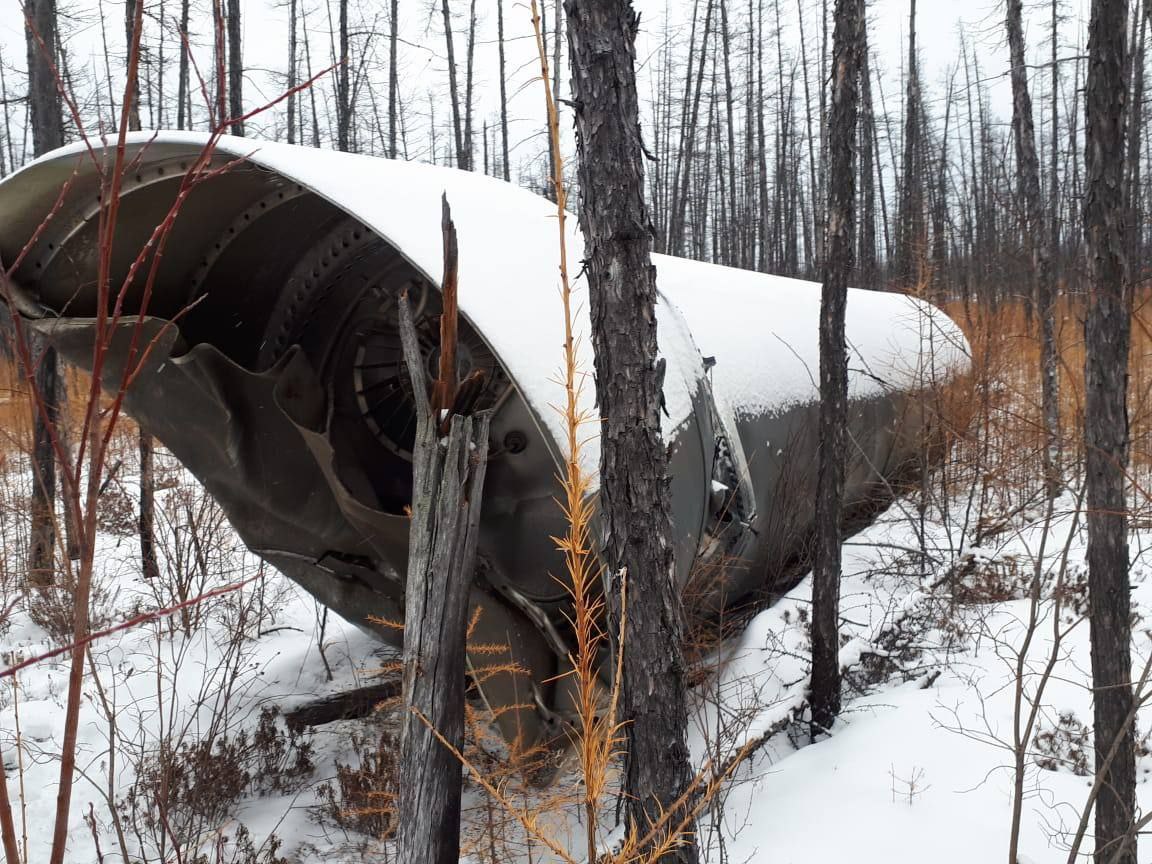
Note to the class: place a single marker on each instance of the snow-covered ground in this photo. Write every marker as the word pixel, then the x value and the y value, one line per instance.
pixel 918 765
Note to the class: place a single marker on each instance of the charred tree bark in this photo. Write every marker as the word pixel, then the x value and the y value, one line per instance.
pixel 235 69
pixel 910 222
pixel 841 233
pixel 393 76
pixel 47 134
pixel 149 564
pixel 866 271
pixel 1036 241
pixel 814 260
pixel 183 109
pixel 505 167
pixel 634 496
pixel 145 445
pixel 686 150
pixel 448 481
pixel 343 87
pixel 733 251
pixel 130 8
pixel 348 705
pixel 469 144
pixel 292 52
pixel 1107 334
pixel 453 93
pixel 1135 132
pixel 1054 178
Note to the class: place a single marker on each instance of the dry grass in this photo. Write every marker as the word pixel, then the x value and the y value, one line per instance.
pixel 16 408
pixel 995 416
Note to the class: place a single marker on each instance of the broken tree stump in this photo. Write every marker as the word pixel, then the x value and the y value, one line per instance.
pixel 449 463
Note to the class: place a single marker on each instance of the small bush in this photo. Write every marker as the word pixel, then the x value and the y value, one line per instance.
pixel 183 794
pixel 363 798
pixel 1067 746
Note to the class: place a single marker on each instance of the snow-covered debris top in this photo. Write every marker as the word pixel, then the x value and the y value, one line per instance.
pixel 763 332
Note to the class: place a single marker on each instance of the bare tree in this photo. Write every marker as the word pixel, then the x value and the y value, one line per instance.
pixel 1036 241
pixel 292 70
pixel 343 89
pixel 47 126
pixel 867 269
pixel 1107 335
pixel 235 69
pixel 634 494
pixel 505 168
pixel 469 69
pixel 847 49
pixel 133 17
pixel 462 155
pixel 910 221
pixel 183 96
pixel 393 75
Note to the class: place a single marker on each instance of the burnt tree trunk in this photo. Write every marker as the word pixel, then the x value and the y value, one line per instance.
pixel 292 52
pixel 47 134
pixel 183 92
pixel 910 222
pixel 150 568
pixel 469 81
pixel 235 69
pixel 506 170
pixel 867 269
pixel 393 75
pixel 462 155
pixel 447 484
pixel 634 497
pixel 1107 335
pixel 343 88
pixel 1037 243
pixel 130 10
pixel 841 235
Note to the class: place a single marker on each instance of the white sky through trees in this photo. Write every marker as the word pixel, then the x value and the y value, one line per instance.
pixel 423 80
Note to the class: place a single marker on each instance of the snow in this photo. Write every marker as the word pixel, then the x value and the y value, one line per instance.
pixel 917 762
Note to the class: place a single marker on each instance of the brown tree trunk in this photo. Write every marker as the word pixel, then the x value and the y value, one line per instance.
pixel 47 134
pixel 841 233
pixel 1107 334
pixel 634 499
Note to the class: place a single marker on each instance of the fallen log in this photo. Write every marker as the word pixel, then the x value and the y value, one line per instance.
pixel 348 705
